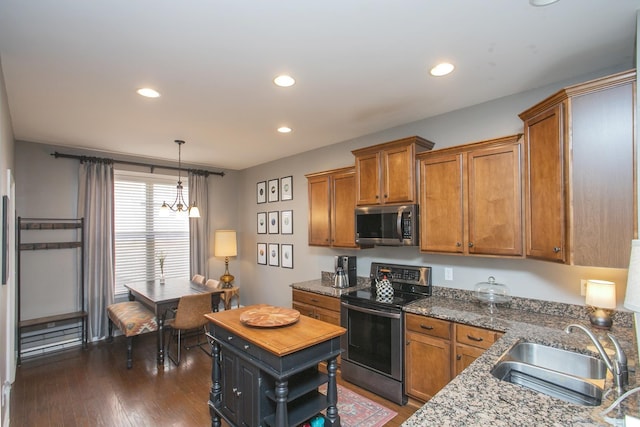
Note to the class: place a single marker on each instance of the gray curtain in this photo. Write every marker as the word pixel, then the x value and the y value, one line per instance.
pixel 95 204
pixel 199 227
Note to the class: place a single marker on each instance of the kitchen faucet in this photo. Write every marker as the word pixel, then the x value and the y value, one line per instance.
pixel 617 366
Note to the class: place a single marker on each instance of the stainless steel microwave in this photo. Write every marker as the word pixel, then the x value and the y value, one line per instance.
pixel 387 225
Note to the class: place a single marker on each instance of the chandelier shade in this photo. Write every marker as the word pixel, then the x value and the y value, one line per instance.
pixel 179 205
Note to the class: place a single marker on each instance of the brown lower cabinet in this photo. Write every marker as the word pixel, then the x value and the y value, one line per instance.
pixel 321 307
pixel 446 348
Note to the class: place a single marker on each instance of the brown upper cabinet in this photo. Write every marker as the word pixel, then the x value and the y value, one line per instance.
pixel 386 173
pixel 332 202
pixel 580 183
pixel 471 198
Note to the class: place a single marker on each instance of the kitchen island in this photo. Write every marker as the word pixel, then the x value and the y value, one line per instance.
pixel 269 375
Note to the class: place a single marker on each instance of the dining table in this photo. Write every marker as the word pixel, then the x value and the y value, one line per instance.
pixel 161 297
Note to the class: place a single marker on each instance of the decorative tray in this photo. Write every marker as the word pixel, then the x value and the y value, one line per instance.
pixel 269 317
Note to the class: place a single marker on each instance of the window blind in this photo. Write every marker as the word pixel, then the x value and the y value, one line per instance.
pixel 141 234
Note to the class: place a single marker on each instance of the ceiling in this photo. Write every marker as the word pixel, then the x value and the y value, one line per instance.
pixel 71 68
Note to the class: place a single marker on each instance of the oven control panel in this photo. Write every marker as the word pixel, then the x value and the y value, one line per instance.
pixel 408 274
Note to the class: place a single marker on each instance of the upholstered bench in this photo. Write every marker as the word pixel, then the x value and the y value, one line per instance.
pixel 133 319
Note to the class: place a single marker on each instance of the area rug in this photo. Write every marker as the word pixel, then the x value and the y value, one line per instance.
pixel 358 411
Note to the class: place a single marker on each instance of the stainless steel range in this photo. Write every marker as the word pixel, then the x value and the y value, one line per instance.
pixel 373 347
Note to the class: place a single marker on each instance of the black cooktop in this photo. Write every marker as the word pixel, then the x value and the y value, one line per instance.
pixel 409 282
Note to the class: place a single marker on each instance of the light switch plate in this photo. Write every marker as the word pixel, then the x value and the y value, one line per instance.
pixel 448 273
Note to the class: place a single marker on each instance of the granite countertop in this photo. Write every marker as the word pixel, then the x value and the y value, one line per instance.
pixel 324 286
pixel 475 397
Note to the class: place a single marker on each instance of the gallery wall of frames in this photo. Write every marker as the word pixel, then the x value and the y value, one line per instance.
pixel 274 222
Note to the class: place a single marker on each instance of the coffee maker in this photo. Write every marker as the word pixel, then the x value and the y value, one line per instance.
pixel 348 265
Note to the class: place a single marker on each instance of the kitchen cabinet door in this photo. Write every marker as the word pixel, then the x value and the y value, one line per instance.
pixel 495 200
pixel 398 175
pixel 465 355
pixel 427 364
pixel 319 211
pixel 442 218
pixel 368 182
pixel 332 208
pixel 545 227
pixel 343 205
pixel 241 388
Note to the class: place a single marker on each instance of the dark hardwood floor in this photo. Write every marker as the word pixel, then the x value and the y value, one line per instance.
pixel 94 388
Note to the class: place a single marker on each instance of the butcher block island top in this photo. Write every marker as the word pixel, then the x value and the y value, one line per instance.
pixel 281 340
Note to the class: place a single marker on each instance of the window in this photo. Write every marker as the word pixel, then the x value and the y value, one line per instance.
pixel 141 233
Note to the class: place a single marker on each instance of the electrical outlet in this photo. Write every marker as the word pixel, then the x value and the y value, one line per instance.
pixel 583 287
pixel 448 273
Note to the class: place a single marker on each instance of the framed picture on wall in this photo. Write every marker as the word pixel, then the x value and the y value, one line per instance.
pixel 286 218
pixel 261 192
pixel 262 223
pixel 262 253
pixel 273 190
pixel 287 256
pixel 273 222
pixel 274 256
pixel 286 188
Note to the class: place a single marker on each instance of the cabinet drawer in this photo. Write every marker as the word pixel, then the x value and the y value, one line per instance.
pixel 476 337
pixel 428 326
pixel 324 301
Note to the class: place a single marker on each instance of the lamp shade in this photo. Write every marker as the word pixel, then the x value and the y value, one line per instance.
pixel 601 294
pixel 632 296
pixel 225 243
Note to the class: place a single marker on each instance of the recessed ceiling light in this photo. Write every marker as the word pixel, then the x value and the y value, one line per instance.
pixel 284 81
pixel 148 92
pixel 538 3
pixel 442 69
pixel 284 129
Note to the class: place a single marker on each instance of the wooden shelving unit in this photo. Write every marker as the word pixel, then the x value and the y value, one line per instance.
pixel 69 327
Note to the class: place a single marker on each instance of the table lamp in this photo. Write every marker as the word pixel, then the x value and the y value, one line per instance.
pixel 225 245
pixel 601 296
pixel 632 295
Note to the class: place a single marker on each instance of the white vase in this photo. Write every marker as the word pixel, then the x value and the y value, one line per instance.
pixel 162 278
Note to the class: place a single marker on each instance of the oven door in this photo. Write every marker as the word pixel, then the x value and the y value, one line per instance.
pixel 373 339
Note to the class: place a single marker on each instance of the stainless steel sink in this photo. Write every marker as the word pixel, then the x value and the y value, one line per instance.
pixel 573 377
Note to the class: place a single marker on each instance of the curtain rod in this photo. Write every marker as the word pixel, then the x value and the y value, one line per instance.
pixel 124 162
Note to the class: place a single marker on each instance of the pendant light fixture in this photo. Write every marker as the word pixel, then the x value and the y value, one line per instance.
pixel 179 205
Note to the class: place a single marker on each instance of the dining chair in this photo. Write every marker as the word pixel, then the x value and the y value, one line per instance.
pixel 189 316
pixel 198 278
pixel 214 285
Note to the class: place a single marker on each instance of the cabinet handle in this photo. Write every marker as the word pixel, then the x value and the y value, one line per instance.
pixel 458 357
pixel 556 249
pixel 427 327
pixel 470 244
pixel 386 196
pixel 314 300
pixel 472 338
pixel 458 244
